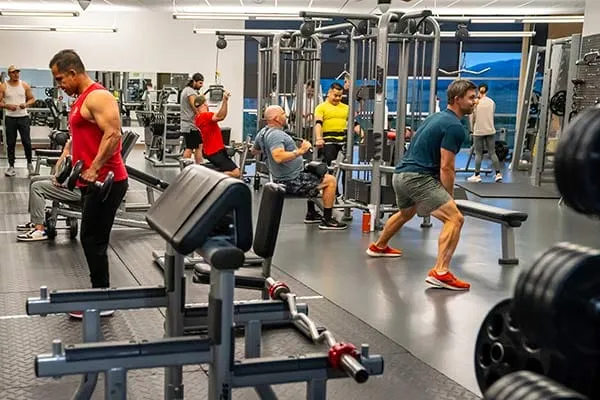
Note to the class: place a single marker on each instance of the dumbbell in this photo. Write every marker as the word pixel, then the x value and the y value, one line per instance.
pixel 104 187
pixel 65 170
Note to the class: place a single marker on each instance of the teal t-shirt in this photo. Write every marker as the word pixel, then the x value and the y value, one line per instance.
pixel 439 130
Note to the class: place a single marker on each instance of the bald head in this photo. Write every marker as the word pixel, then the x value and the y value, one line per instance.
pixel 275 116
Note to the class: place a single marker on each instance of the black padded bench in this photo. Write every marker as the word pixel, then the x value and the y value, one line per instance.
pixel 508 219
pixel 265 239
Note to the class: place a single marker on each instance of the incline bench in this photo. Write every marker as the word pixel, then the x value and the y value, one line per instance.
pixel 508 219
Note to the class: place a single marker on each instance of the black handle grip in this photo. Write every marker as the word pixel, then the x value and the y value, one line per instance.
pixel 354 368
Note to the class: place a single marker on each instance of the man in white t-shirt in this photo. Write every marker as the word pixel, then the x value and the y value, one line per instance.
pixel 15 97
pixel 484 133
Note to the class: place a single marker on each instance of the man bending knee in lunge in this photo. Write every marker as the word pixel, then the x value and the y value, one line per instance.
pixel 424 182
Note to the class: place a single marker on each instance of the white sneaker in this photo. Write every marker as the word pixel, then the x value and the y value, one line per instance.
pixel 33 235
pixel 498 177
pixel 30 169
pixel 26 227
pixel 474 178
pixel 10 172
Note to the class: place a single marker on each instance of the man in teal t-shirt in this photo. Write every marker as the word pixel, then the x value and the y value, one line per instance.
pixel 424 183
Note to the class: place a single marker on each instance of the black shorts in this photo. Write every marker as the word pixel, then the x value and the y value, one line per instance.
pixel 192 139
pixel 304 185
pixel 221 161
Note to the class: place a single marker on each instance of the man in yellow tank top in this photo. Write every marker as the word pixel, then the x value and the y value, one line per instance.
pixel 331 123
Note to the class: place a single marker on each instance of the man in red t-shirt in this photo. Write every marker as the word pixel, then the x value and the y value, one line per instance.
pixel 95 126
pixel 208 123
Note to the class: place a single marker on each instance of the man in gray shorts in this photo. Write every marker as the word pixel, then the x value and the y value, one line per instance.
pixel 286 166
pixel 191 135
pixel 44 188
pixel 424 183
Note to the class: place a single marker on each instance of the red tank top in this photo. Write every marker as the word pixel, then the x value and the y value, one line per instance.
pixel 85 141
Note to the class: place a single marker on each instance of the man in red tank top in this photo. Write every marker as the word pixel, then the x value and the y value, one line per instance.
pixel 212 138
pixel 95 126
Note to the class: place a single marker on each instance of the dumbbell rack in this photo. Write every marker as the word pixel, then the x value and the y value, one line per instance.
pixel 157 151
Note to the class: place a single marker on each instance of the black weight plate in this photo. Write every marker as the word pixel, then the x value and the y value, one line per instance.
pixel 577 197
pixel 106 186
pixel 565 169
pixel 523 279
pixel 524 301
pixel 526 307
pixel 544 388
pixel 568 166
pixel 554 272
pixel 498 349
pixel 588 157
pixel 51 228
pixel 505 385
pixel 65 170
pixel 566 255
pixel 73 227
pixel 569 298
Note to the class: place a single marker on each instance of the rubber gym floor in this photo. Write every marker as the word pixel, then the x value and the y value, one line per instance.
pixel 425 335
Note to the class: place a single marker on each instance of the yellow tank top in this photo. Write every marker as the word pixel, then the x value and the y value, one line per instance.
pixel 335 119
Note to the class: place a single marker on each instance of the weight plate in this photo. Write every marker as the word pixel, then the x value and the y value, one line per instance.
pixel 543 388
pixel 571 156
pixel 581 156
pixel 566 255
pixel 588 159
pixel 506 385
pixel 524 310
pixel 498 349
pixel 73 227
pixel 572 299
pixel 564 169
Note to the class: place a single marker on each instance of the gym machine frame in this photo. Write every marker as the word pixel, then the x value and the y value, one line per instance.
pixel 383 39
pixel 170 112
pixel 542 168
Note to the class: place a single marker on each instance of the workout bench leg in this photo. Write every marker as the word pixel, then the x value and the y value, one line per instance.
pixel 508 246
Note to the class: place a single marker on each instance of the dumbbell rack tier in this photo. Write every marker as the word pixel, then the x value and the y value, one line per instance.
pixel 171 138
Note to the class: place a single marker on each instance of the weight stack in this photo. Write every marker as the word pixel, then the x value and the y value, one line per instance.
pixel 366 149
pixel 361 189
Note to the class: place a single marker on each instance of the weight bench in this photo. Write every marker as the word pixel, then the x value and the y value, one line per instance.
pixel 508 219
pixel 265 239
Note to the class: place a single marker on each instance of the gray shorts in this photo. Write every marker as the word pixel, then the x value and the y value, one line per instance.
pixel 421 190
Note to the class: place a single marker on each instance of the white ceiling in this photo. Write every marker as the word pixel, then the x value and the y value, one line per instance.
pixel 444 7
pixel 460 7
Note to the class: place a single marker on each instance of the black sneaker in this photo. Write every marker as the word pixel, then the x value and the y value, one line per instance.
pixel 333 225
pixel 313 218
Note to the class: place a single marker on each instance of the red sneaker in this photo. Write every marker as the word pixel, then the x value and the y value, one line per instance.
pixel 446 281
pixel 375 251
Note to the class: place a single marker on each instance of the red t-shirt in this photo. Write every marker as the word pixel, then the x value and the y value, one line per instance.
pixel 212 138
pixel 85 141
